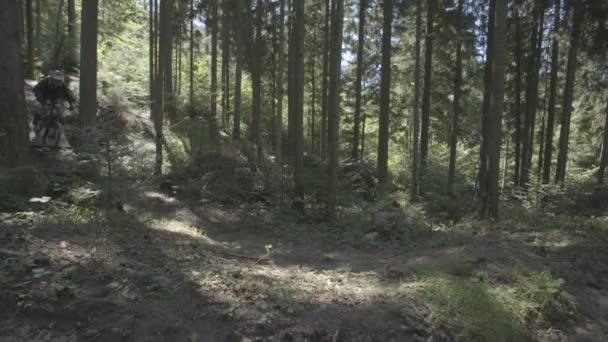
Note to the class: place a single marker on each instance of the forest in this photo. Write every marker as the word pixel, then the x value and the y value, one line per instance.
pixel 303 170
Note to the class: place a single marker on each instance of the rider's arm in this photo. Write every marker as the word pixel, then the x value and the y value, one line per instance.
pixel 69 96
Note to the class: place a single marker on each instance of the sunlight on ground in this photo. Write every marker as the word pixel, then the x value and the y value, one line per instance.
pixel 154 195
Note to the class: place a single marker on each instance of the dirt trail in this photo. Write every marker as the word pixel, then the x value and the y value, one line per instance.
pixel 168 270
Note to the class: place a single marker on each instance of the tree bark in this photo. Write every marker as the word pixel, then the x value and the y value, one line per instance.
pixel 213 133
pixel 416 115
pixel 517 104
pixel 426 95
pixel 334 90
pixel 325 81
pixel 531 93
pixel 236 128
pixel 456 102
pixel 225 65
pixel 30 39
pixel 256 80
pixel 88 64
pixel 298 116
pixel 360 65
pixel 14 132
pixel 281 65
pixel 385 96
pixel 562 156
pixel 548 153
pixel 486 104
pixel 493 138
pixel 191 102
pixel 72 20
pixel 313 95
pixel 163 78
pixel 604 154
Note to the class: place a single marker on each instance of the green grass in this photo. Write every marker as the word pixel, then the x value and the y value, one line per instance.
pixel 478 309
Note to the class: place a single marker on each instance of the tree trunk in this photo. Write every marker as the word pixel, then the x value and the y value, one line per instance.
pixel 88 64
pixel 562 156
pixel 163 78
pixel 38 25
pixel 426 95
pixel 486 104
pixel 604 154
pixel 225 65
pixel 59 35
pixel 213 133
pixel 151 52
pixel 313 95
pixel 385 96
pixel 281 65
pixel 517 104
pixel 256 80
pixel 456 103
pixel 325 76
pixel 298 116
pixel 14 132
pixel 493 137
pixel 360 65
pixel 334 90
pixel 548 153
pixel 236 128
pixel 416 105
pixel 191 102
pixel 30 39
pixel 72 20
pixel 532 93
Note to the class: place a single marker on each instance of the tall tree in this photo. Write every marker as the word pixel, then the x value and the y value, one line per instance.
pixel 191 97
pixel 14 131
pixel 298 103
pixel 604 154
pixel 564 136
pixel 456 102
pixel 548 153
pixel 225 64
pixel 486 103
pixel 490 199
pixel 88 64
pixel 334 89
pixel 163 78
pixel 236 123
pixel 72 19
pixel 29 15
pixel 532 77
pixel 360 65
pixel 325 80
pixel 517 101
pixel 416 114
pixel 385 95
pixel 212 124
pixel 281 65
pixel 426 95
pixel 256 81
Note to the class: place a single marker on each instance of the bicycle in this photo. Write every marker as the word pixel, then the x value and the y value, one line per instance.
pixel 48 127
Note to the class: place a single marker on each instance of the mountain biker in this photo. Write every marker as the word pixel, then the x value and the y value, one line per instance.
pixel 53 90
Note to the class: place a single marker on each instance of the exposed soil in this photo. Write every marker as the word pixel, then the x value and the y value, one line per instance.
pixel 202 273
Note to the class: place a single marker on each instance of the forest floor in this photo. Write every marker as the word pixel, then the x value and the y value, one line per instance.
pixel 167 270
pixel 166 267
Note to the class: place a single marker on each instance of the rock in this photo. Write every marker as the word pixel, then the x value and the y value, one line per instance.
pixel 86 194
pixel 25 181
pixel 373 236
pixel 41 260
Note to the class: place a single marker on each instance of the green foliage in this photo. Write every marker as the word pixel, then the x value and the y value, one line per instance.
pixel 479 309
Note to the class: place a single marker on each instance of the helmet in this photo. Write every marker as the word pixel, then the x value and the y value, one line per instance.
pixel 57 76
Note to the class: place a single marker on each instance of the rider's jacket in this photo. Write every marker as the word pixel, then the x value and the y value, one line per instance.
pixel 46 91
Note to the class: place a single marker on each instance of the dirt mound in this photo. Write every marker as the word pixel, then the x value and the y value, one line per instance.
pixel 218 176
pixel 123 121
